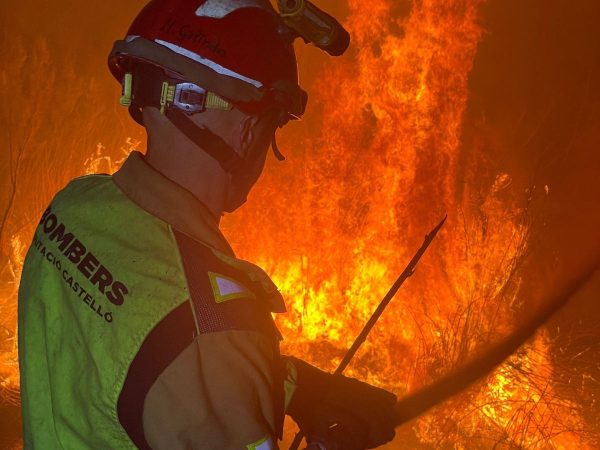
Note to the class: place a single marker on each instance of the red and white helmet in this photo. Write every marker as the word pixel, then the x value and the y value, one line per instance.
pixel 239 49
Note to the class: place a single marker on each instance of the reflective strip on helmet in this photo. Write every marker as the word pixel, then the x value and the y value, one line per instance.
pixel 217 9
pixel 207 62
pixel 138 48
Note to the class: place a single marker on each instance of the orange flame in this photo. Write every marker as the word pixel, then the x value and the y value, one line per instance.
pixel 380 170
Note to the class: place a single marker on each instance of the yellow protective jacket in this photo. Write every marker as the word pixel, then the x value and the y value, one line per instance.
pixel 139 328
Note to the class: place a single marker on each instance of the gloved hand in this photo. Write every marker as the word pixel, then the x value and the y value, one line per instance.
pixel 340 412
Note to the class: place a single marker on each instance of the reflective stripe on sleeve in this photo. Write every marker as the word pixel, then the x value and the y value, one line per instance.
pixel 265 443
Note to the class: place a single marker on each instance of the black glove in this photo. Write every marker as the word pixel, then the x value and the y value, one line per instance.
pixel 341 412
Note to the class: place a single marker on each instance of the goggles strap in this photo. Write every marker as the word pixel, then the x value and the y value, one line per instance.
pixel 152 90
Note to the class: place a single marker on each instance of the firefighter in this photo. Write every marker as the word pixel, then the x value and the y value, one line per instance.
pixel 138 326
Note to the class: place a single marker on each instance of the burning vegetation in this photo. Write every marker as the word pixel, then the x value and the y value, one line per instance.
pixel 386 150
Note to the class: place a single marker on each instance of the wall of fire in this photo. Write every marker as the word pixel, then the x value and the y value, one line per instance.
pixel 488 110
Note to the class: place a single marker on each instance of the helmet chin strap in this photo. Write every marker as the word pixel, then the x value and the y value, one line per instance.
pixel 280 156
pixel 208 141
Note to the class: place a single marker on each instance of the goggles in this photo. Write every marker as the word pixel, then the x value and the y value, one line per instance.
pixel 188 97
pixel 172 91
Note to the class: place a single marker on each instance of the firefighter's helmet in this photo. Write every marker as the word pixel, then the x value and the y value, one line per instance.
pixel 238 50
